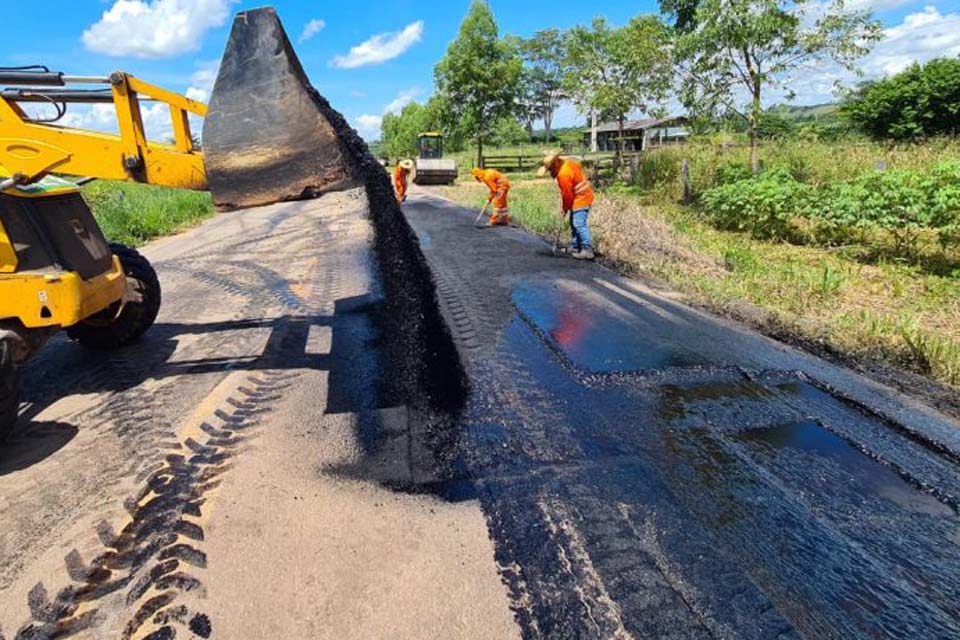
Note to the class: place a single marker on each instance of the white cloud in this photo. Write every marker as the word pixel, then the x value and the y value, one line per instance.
pixel 156 115
pixel 201 82
pixel 381 47
pixel 402 100
pixel 368 125
pixel 102 117
pixel 920 37
pixel 370 121
pixel 155 29
pixel 311 29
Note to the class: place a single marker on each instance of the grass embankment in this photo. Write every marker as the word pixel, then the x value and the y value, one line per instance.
pixel 132 214
pixel 861 299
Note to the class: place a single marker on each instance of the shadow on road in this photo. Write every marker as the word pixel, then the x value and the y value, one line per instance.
pixel 41 440
pixel 346 344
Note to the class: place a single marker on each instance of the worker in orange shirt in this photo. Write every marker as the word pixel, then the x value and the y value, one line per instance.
pixel 400 175
pixel 499 187
pixel 577 198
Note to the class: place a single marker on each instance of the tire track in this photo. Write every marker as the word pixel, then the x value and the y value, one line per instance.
pixel 153 565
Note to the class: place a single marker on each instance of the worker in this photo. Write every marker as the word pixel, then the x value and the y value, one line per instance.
pixel 577 199
pixel 400 175
pixel 499 187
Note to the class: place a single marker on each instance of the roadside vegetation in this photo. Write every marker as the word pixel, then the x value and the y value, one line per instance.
pixel 836 226
pixel 869 286
pixel 134 213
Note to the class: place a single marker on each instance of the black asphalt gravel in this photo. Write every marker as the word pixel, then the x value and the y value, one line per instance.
pixel 648 470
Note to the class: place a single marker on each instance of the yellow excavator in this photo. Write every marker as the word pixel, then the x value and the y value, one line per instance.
pixel 267 137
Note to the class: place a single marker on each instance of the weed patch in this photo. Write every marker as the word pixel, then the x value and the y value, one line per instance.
pixel 133 213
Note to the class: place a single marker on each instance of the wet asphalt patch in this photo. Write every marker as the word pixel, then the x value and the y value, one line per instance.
pixel 648 472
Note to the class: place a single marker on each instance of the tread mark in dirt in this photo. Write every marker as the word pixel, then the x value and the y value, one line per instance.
pixel 157 550
pixel 156 556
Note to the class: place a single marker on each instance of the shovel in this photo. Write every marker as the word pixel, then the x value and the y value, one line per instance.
pixel 480 215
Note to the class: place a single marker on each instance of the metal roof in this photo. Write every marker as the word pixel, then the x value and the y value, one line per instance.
pixel 637 125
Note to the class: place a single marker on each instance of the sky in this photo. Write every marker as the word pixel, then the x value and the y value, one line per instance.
pixel 369 58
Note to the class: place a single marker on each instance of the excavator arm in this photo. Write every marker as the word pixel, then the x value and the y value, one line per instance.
pixel 267 134
pixel 31 149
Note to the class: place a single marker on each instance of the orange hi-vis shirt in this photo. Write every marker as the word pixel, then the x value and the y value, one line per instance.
pixel 575 189
pixel 400 181
pixel 495 181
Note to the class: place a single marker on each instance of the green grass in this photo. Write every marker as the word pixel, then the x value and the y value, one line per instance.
pixel 132 214
pixel 534 205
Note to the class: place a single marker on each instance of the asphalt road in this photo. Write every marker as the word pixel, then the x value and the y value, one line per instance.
pixel 623 466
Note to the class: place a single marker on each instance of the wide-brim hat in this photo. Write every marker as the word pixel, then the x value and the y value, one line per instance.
pixel 549 157
pixel 407 164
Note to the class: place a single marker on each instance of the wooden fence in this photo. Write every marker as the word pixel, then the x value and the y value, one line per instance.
pixel 522 162
pixel 509 163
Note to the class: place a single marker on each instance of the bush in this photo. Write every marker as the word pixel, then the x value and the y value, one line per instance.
pixel 658 168
pixel 773 126
pixel 904 204
pixel 766 205
pixel 733 172
pixel 920 102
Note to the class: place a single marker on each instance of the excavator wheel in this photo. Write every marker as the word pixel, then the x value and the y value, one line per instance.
pixel 129 319
pixel 9 390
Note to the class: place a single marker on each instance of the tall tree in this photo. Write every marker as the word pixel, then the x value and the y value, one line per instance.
pixel 544 54
pixel 616 71
pixel 733 49
pixel 479 75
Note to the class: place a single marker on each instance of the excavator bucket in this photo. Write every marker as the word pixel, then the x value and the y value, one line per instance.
pixel 267 137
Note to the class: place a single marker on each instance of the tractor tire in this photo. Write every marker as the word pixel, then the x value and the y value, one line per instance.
pixel 124 322
pixel 9 390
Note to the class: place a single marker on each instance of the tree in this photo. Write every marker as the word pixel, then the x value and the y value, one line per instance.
pixel 478 77
pixel 526 104
pixel 737 47
pixel 918 102
pixel 683 12
pixel 616 71
pixel 544 55
pixel 509 133
pixel 773 125
pixel 398 132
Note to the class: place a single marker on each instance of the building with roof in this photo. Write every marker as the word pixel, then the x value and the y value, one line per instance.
pixel 640 134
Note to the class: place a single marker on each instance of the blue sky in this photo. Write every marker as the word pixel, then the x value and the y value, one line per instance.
pixel 367 57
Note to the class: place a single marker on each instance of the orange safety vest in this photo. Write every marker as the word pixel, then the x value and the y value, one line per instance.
pixel 575 189
pixel 495 181
pixel 400 181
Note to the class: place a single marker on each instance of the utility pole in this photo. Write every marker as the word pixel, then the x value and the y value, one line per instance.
pixel 593 130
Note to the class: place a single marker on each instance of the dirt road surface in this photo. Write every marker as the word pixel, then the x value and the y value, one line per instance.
pixel 202 483
pixel 620 466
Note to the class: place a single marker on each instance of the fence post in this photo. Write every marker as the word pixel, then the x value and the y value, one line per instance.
pixel 685 171
pixel 521 162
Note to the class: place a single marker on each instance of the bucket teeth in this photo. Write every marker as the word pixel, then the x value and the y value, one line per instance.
pixel 265 137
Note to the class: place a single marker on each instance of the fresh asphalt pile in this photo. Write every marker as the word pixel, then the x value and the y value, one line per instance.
pixel 647 470
pixel 301 148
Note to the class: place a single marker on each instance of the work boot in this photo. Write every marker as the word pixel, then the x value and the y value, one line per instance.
pixel 585 254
